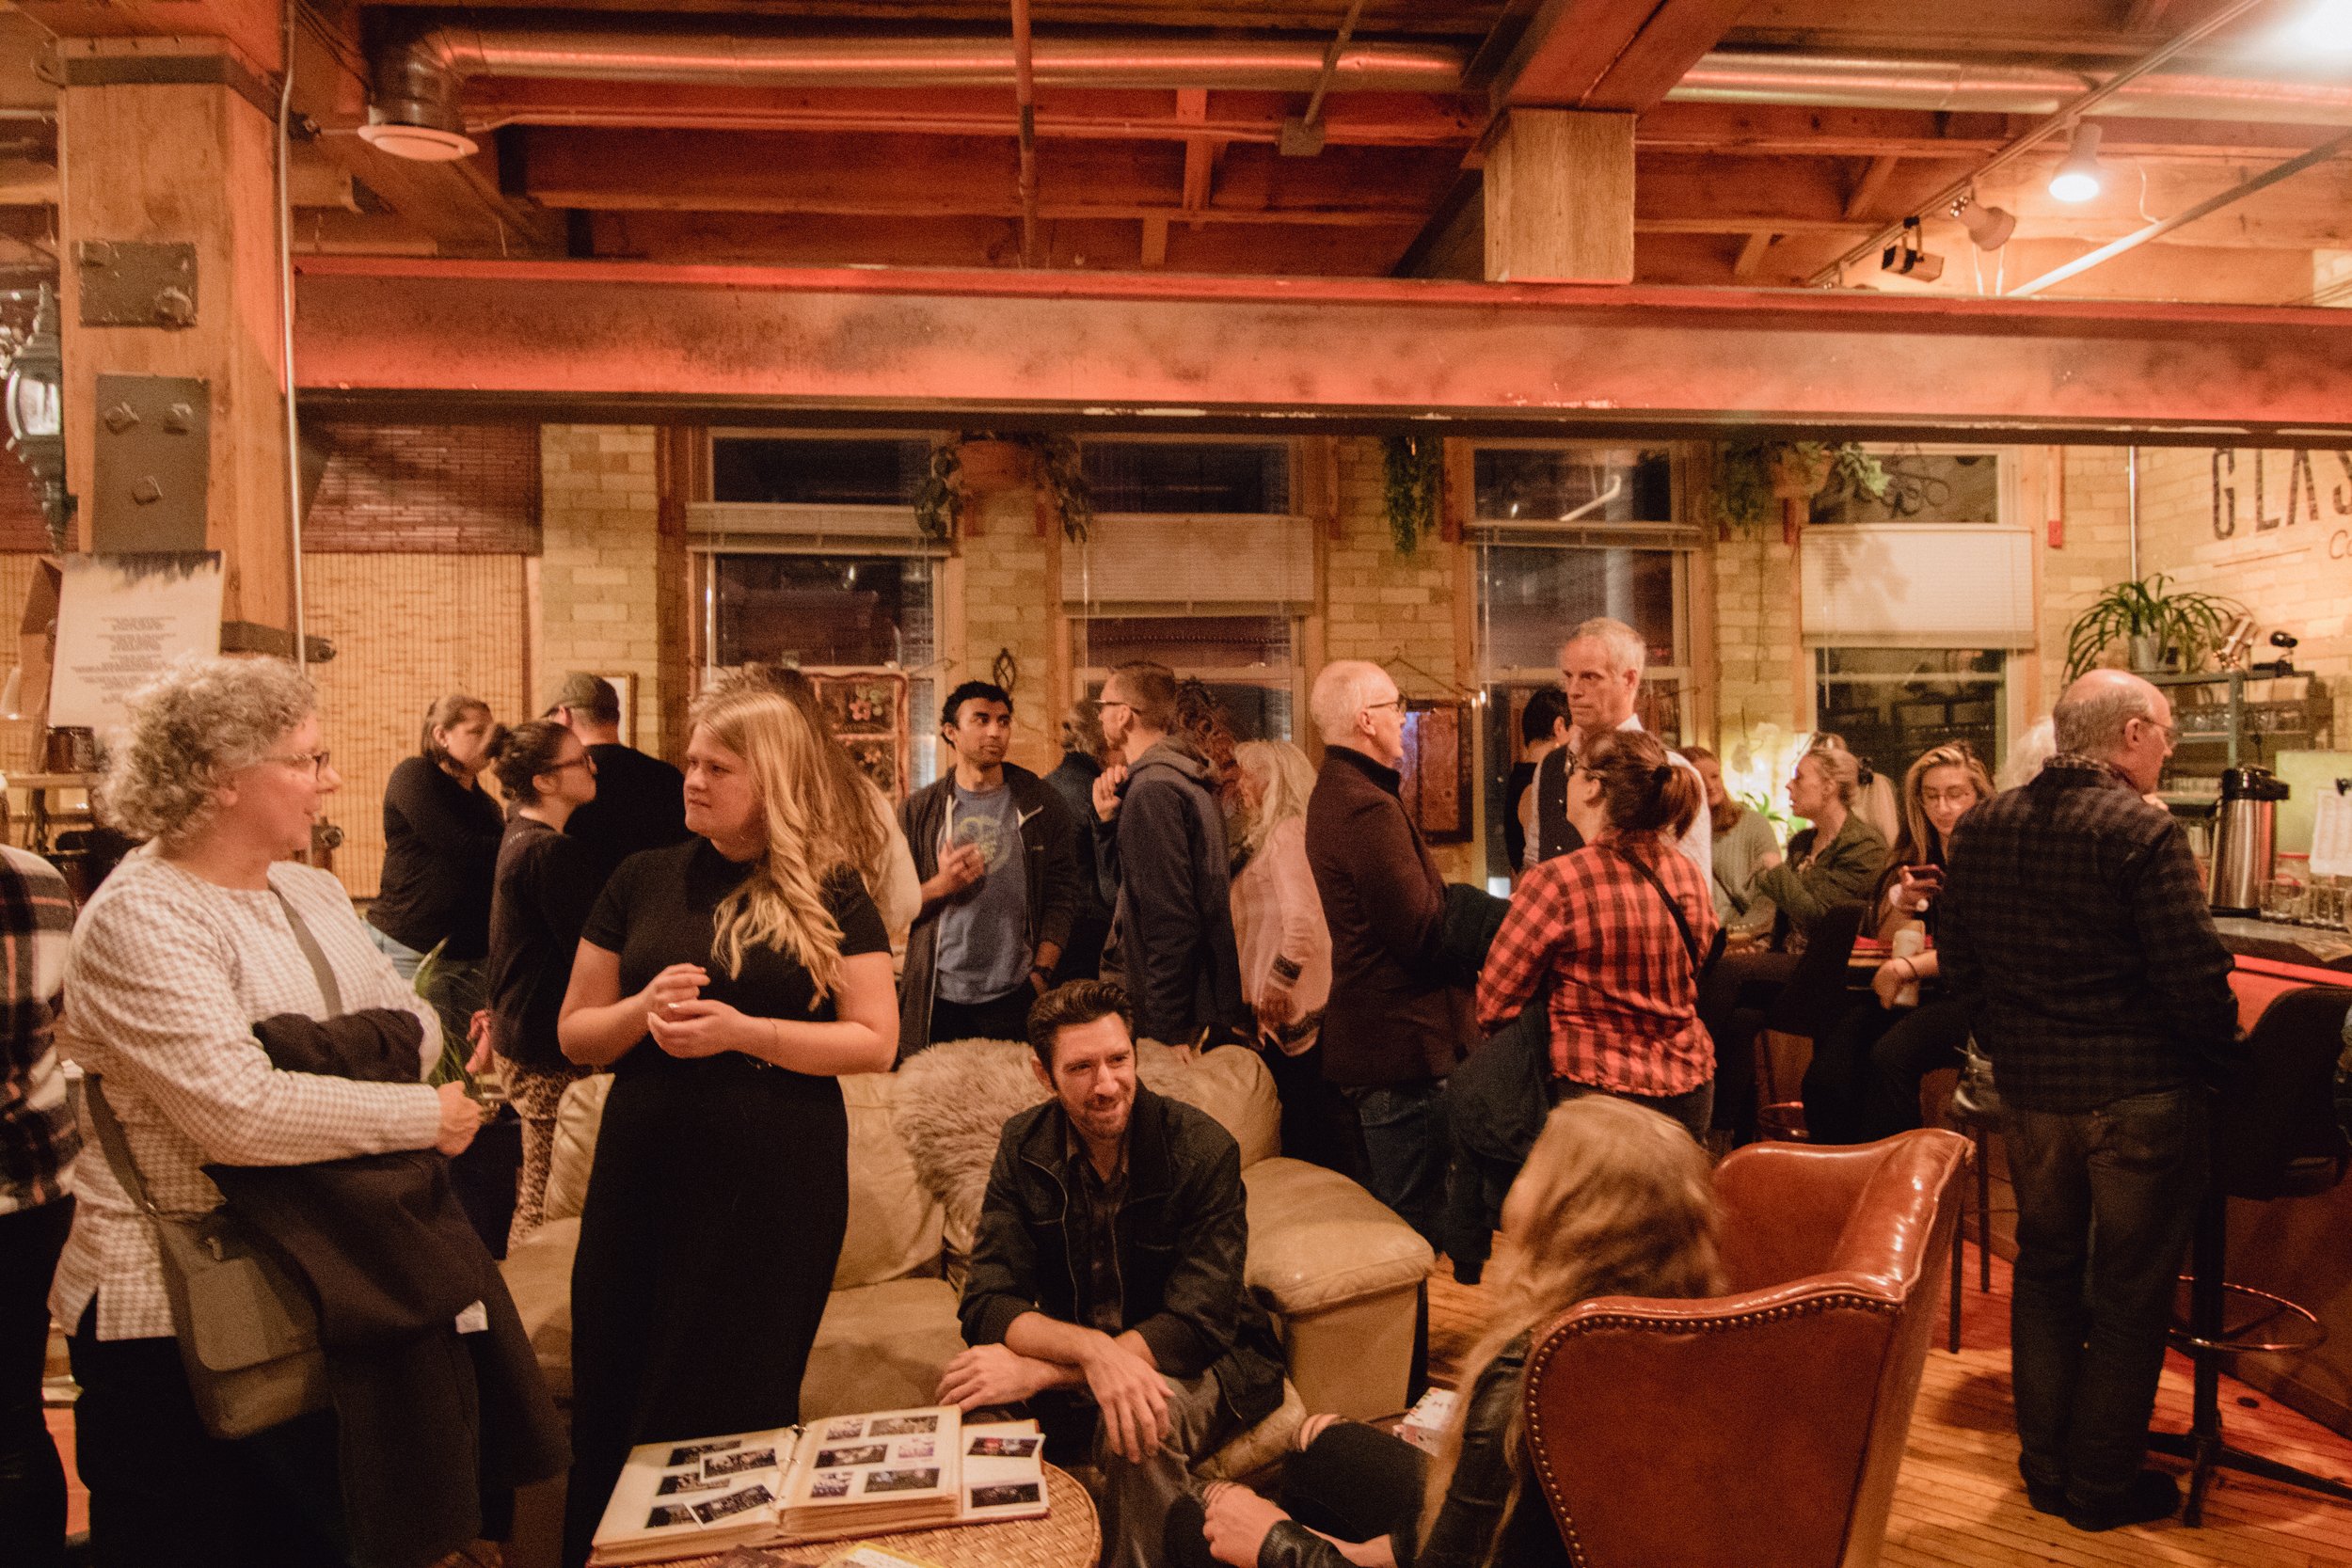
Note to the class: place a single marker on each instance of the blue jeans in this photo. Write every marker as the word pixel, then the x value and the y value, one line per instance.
pixel 1405 1150
pixel 2105 1203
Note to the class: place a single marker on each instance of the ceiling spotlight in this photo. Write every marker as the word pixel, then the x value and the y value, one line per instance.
pixel 2077 178
pixel 1990 227
pixel 1907 257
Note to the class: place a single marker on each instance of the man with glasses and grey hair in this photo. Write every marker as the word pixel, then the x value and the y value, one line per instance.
pixel 2075 923
pixel 1392 1023
pixel 1600 674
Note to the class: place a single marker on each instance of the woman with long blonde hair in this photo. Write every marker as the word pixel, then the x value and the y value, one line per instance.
pixel 1616 1199
pixel 728 983
pixel 1864 1080
pixel 1285 947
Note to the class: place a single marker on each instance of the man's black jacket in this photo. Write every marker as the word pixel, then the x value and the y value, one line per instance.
pixel 1182 1233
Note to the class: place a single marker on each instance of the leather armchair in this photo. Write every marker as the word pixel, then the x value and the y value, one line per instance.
pixel 1761 1428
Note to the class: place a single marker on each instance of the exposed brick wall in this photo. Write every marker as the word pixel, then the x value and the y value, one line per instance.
pixel 1756 632
pixel 407 629
pixel 1388 607
pixel 2096 552
pixel 601 567
pixel 440 489
pixel 1009 591
pixel 2293 571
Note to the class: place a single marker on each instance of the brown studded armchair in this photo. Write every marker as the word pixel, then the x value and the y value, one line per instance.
pixel 1761 1428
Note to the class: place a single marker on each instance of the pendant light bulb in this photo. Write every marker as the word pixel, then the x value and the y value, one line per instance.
pixel 2077 178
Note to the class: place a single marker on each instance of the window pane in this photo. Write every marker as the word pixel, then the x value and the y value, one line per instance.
pixel 817 473
pixel 1922 487
pixel 822 610
pixel 1536 484
pixel 1892 703
pixel 1190 478
pixel 1185 643
pixel 1532 595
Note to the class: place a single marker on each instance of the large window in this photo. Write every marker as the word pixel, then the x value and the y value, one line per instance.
pixel 1564 534
pixel 800 471
pixel 1190 478
pixel 829 611
pixel 1244 660
pixel 1890 705
pixel 1922 486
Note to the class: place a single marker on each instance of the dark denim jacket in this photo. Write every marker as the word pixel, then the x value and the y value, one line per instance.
pixel 1183 1235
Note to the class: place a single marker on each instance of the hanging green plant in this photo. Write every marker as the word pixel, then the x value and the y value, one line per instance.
pixel 1750 475
pixel 1415 467
pixel 941 494
pixel 1053 468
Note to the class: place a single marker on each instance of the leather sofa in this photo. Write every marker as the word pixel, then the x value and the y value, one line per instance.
pixel 1340 1272
pixel 1761 1429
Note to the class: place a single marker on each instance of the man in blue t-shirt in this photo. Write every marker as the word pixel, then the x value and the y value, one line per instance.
pixel 992 844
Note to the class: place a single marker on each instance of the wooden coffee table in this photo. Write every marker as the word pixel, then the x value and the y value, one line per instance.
pixel 1069 1537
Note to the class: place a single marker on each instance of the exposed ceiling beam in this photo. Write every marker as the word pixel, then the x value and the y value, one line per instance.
pixel 1751 258
pixel 253 25
pixel 1871 186
pixel 879 174
pixel 1071 346
pixel 1609 54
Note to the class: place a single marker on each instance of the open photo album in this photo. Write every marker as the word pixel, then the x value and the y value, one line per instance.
pixel 841 1476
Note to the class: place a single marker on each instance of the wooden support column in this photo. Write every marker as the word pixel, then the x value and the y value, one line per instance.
pixel 164 141
pixel 1560 197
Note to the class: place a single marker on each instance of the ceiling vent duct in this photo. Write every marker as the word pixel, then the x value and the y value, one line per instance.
pixel 416 107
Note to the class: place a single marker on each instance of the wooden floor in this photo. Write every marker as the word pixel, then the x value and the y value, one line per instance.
pixel 1959 1504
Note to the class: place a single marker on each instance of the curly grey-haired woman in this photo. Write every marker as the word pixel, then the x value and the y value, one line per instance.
pixel 197 937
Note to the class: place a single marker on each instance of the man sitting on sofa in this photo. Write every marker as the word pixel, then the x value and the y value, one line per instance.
pixel 1106 1279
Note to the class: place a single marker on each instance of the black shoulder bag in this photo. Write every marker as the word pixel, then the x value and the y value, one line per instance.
pixel 1699 966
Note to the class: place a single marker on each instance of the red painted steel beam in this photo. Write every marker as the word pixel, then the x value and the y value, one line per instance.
pixel 1310 353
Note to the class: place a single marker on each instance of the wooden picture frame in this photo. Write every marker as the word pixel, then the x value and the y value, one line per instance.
pixel 1436 786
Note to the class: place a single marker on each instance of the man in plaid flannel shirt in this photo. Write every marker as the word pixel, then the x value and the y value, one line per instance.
pixel 2075 920
pixel 38 1143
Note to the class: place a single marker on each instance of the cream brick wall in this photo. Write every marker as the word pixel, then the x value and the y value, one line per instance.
pixel 1394 610
pixel 601 571
pixel 1011 598
pixel 1756 631
pixel 2293 574
pixel 2096 552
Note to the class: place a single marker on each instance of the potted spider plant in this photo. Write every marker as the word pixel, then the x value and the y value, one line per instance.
pixel 2160 626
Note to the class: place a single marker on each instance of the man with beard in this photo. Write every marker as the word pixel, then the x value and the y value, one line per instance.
pixel 1106 1284
pixel 1000 884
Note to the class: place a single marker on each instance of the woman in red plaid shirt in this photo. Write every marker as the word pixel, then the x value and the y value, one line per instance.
pixel 1596 925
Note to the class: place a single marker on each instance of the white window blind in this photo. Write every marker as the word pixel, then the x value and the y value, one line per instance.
pixel 1913 585
pixel 1193 561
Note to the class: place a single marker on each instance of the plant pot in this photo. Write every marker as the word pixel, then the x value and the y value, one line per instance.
pixel 988 467
pixel 1799 476
pixel 2146 652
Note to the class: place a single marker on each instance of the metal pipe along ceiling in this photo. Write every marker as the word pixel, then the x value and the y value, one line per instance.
pixel 420 80
pixel 1845 82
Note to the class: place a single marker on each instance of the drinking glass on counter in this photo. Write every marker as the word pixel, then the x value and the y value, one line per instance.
pixel 2284 900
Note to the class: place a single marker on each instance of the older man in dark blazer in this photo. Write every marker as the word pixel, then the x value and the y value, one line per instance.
pixel 1391 1030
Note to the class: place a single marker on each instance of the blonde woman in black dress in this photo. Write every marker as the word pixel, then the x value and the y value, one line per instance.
pixel 729 982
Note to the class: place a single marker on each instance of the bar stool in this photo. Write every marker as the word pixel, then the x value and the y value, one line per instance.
pixel 1976 1110
pixel 2274 1135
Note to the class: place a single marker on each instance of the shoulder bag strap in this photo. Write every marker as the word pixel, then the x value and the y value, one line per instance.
pixel 1682 922
pixel 331 993
pixel 117 1148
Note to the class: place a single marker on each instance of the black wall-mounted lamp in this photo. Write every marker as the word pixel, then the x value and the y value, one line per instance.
pixel 36 405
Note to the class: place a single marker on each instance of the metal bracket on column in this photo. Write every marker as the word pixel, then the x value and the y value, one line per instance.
pixel 153 461
pixel 133 284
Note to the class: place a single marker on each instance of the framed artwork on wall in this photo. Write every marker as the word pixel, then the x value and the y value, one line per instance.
pixel 1437 772
pixel 867 710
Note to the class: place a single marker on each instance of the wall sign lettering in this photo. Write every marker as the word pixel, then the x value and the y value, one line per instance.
pixel 2297 489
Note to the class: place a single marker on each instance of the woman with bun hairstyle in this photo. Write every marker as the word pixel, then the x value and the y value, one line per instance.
pixel 1618 930
pixel 544 885
pixel 441 833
